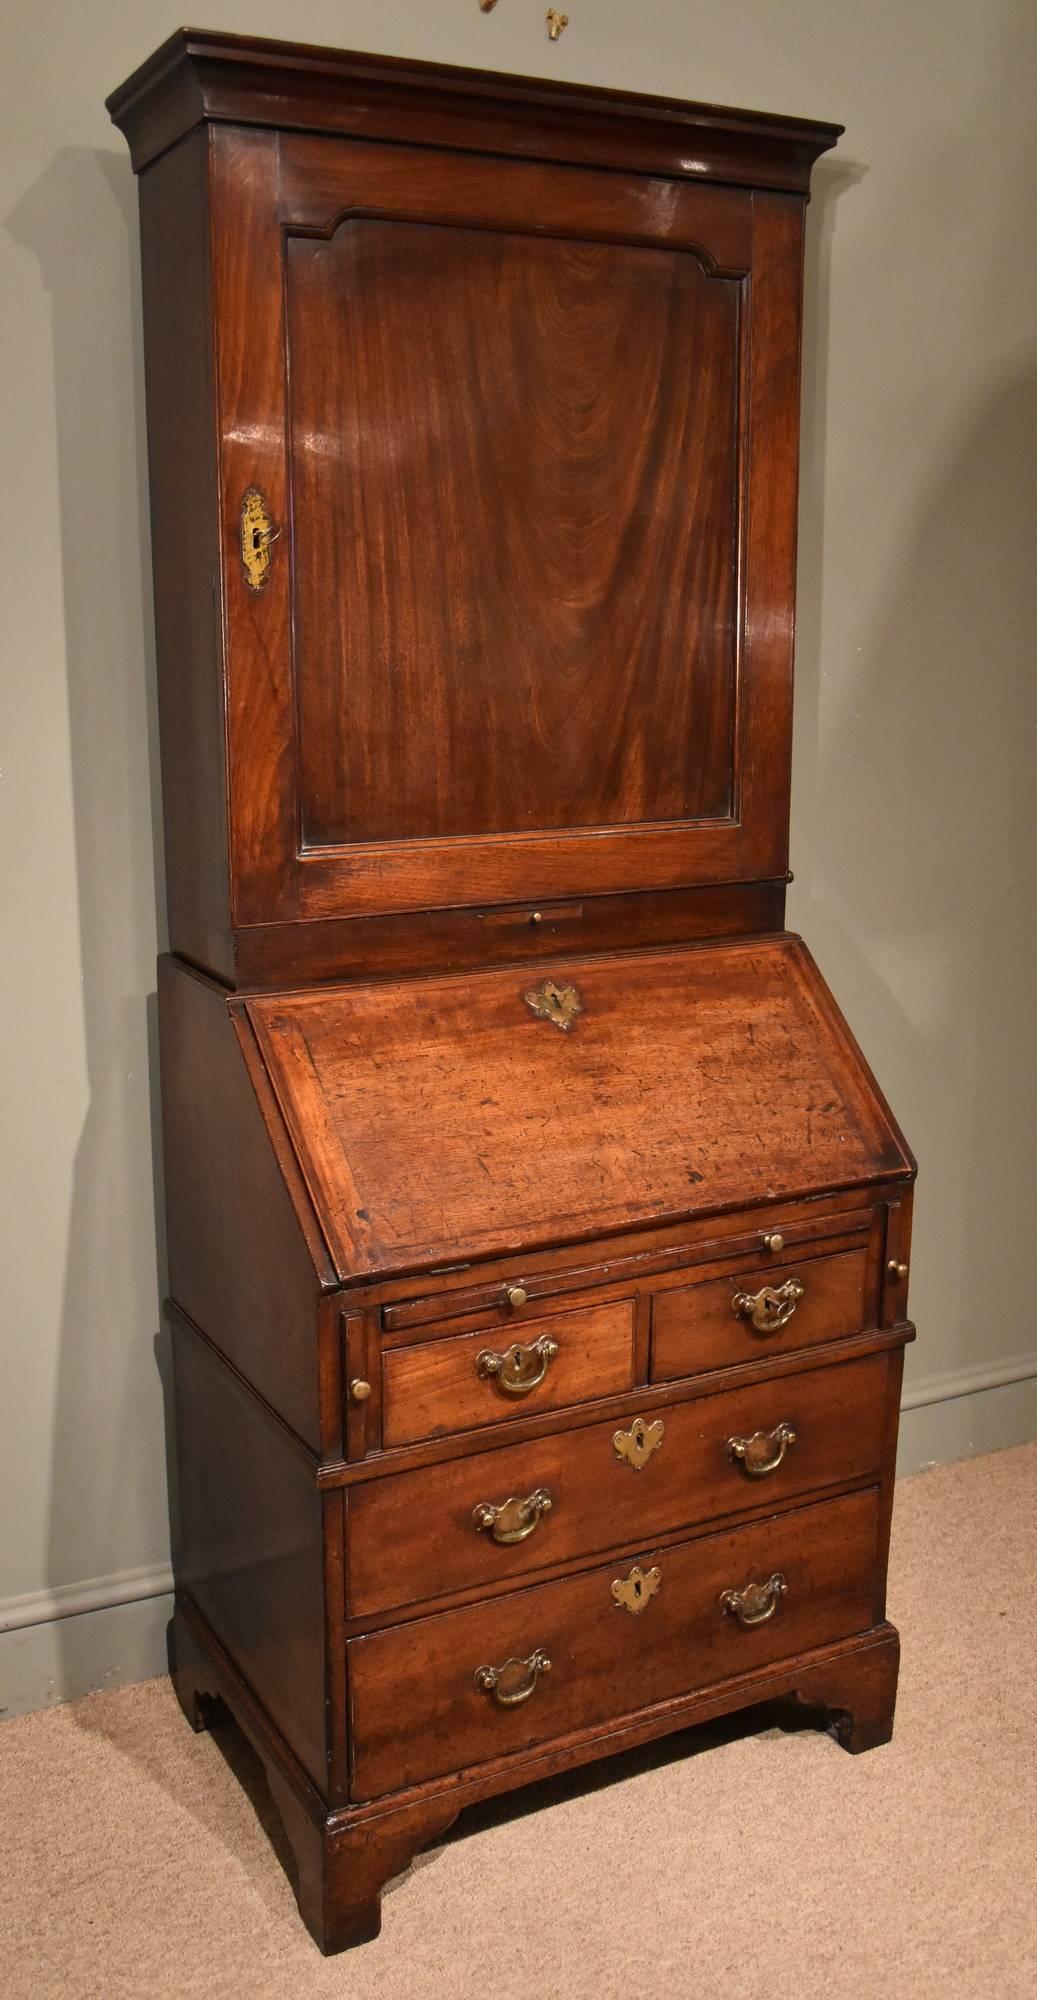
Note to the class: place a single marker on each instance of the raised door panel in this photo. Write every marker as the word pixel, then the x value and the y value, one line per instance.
pixel 529 435
pixel 514 467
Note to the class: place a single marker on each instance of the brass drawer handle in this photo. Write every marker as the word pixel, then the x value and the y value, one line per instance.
pixel 515 1681
pixel 757 1602
pixel 763 1452
pixel 770 1307
pixel 513 1520
pixel 519 1369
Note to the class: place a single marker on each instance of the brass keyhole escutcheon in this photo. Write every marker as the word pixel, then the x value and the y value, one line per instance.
pixel 257 537
pixel 635 1446
pixel 556 23
pixel 557 1004
pixel 634 1593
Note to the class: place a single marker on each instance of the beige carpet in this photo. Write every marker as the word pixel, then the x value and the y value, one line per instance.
pixel 135 1864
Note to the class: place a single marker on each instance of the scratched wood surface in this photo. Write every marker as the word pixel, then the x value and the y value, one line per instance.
pixel 598 1501
pixel 441 1119
pixel 605 1662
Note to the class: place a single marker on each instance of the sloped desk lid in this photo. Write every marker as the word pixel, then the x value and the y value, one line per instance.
pixel 441 1120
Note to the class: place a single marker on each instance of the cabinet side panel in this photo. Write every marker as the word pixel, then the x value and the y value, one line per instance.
pixel 239 1265
pixel 175 264
pixel 248 1544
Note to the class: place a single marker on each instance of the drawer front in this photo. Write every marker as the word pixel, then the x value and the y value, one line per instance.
pixel 547 1285
pixel 460 1383
pixel 713 1325
pixel 422 1698
pixel 426 1533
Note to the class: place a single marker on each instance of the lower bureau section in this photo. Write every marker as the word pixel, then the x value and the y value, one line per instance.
pixel 464 1687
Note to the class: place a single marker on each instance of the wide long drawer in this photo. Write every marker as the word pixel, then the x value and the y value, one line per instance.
pixel 501 1514
pixel 467 1686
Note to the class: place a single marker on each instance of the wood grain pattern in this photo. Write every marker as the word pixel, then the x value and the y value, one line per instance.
pixel 413 1536
pixel 248 1545
pixel 697 1327
pixel 428 1116
pixel 246 1262
pixel 436 1388
pixel 546 483
pixel 198 74
pixel 515 367
pixel 604 1662
pixel 677 1255
pixel 184 500
pixel 267 956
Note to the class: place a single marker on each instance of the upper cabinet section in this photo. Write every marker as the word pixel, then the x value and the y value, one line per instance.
pixel 473 423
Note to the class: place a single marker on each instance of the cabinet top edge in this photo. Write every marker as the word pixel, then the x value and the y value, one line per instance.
pixel 200 75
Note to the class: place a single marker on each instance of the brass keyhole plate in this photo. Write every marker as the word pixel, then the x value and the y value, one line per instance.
pixel 557 1004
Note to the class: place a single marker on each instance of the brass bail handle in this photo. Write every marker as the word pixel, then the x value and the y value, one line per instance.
pixel 512 1683
pixel 757 1602
pixel 519 1369
pixel 771 1307
pixel 763 1452
pixel 513 1520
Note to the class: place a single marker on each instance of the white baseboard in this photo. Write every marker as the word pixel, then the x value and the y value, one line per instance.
pixel 973 1410
pixel 60 1644
pixel 47 1661
pixel 71 1600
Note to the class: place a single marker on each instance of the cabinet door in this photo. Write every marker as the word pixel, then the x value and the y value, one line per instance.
pixel 529 434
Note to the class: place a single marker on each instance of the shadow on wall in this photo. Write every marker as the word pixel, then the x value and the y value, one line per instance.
pixel 107 1510
pixel 918 812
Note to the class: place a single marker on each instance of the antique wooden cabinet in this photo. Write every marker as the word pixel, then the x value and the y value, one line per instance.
pixel 537 1235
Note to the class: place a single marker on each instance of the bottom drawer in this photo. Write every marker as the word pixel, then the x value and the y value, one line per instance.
pixel 427 1698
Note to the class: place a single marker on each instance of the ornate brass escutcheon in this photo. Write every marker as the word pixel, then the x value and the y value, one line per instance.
pixel 635 1591
pixel 556 23
pixel 257 534
pixel 757 1602
pixel 763 1452
pixel 514 1682
pixel 636 1445
pixel 519 1369
pixel 514 1519
pixel 558 1004
pixel 770 1307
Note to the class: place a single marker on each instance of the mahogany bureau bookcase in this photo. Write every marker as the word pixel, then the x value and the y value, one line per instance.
pixel 537 1234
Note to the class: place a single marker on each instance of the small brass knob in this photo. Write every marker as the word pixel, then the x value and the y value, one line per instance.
pixel 774 1242
pixel 516 1296
pixel 359 1389
pixel 896 1270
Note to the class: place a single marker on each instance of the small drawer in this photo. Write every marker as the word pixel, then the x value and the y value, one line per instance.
pixel 507 1513
pixel 496 1678
pixel 460 1383
pixel 761 1312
